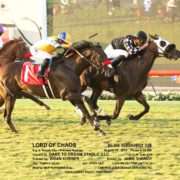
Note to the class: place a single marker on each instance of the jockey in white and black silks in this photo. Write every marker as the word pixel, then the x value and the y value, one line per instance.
pixel 43 51
pixel 121 48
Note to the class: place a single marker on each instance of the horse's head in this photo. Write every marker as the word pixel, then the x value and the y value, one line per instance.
pixel 14 49
pixel 165 48
pixel 20 48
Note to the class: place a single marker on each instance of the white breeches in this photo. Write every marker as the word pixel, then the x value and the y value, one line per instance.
pixel 38 56
pixel 113 53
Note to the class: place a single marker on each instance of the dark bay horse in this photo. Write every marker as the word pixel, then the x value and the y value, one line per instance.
pixel 11 51
pixel 79 64
pixel 132 77
pixel 63 78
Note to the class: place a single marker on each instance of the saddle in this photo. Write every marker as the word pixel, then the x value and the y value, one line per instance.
pixel 29 74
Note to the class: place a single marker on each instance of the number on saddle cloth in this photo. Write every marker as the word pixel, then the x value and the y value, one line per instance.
pixel 29 74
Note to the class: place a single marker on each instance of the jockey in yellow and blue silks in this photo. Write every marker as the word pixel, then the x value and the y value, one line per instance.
pixel 43 51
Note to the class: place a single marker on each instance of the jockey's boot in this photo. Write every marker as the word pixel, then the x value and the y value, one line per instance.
pixel 112 67
pixel 44 66
pixel 117 60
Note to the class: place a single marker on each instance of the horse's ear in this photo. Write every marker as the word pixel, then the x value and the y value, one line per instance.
pixel 155 36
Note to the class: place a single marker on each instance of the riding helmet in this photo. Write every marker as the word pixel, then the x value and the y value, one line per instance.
pixel 142 36
pixel 65 39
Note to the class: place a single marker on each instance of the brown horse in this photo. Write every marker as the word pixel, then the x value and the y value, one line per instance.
pixel 132 77
pixel 13 50
pixel 64 81
pixel 79 64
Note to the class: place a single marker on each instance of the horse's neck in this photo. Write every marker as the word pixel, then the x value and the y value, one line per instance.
pixel 7 56
pixel 78 64
pixel 147 62
pixel 138 67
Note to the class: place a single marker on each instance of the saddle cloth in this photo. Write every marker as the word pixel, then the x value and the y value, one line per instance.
pixel 29 74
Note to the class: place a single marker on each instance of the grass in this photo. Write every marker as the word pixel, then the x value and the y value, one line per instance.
pixel 160 127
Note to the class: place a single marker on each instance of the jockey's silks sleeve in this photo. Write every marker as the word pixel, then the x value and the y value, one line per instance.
pixel 48 45
pixel 128 44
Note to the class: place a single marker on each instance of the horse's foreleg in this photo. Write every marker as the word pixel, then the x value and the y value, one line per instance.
pixel 92 104
pixel 92 119
pixel 92 101
pixel 9 106
pixel 94 97
pixel 85 114
pixel 141 99
pixel 118 107
pixel 35 99
pixel 79 112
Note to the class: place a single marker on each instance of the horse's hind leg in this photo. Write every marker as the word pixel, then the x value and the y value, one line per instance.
pixel 141 99
pixel 1 104
pixel 33 98
pixel 9 106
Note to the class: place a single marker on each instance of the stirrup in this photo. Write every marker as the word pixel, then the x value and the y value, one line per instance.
pixel 109 72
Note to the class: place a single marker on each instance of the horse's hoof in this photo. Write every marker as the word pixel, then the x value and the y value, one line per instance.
pixel 13 130
pixel 16 132
pixel 82 121
pixel 101 132
pixel 131 117
pixel 47 108
pixel 96 125
pixel 108 122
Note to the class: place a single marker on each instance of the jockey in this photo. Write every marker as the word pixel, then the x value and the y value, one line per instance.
pixel 121 48
pixel 43 51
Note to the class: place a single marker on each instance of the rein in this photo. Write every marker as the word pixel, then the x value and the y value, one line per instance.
pixel 157 54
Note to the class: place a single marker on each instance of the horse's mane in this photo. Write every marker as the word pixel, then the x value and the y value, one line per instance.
pixel 84 44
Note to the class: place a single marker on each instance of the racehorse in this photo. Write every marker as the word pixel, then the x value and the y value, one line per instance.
pixel 75 60
pixel 64 81
pixel 11 51
pixel 131 77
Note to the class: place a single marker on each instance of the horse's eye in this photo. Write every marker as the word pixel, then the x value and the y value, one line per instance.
pixel 162 43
